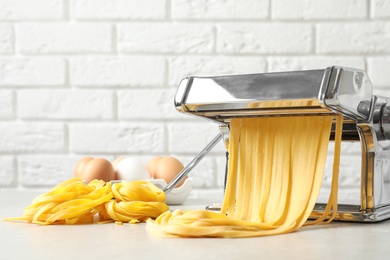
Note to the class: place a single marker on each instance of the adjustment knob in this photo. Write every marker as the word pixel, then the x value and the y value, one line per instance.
pixel 385 121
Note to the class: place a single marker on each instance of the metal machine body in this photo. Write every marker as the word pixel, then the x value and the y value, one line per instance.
pixel 331 91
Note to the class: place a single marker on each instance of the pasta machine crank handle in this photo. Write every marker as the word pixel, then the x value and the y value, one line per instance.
pixel 192 164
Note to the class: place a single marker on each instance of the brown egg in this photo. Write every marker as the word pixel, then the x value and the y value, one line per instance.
pixel 152 164
pixel 80 166
pixel 99 168
pixel 168 168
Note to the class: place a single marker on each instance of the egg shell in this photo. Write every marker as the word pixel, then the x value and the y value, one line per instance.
pixel 130 169
pixel 98 168
pixel 152 165
pixel 168 168
pixel 116 161
pixel 80 166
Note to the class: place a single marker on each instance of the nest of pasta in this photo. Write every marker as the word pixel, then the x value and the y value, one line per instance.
pixel 74 202
pixel 275 171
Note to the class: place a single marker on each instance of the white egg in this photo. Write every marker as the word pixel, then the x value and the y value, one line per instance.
pixel 130 169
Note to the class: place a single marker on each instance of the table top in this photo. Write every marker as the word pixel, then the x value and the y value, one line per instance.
pixel 102 241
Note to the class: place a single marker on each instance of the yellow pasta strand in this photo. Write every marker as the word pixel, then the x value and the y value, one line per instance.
pixel 332 202
pixel 70 202
pixel 74 202
pixel 274 177
pixel 275 172
pixel 134 202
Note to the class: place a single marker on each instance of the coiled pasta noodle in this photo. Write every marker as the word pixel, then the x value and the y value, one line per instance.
pixel 74 202
pixel 70 202
pixel 275 173
pixel 135 201
pixel 137 190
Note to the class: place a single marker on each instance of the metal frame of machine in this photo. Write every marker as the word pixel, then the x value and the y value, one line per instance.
pixel 331 91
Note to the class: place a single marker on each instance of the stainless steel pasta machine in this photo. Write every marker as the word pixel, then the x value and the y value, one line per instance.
pixel 331 91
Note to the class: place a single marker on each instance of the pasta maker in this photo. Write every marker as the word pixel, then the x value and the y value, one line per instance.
pixel 330 91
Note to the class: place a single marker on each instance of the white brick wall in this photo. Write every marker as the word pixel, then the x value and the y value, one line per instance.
pixel 380 9
pixel 98 77
pixel 6 38
pixel 165 37
pixel 264 38
pixel 6 104
pixel 118 9
pixel 113 137
pixel 117 71
pixel 24 10
pixel 318 10
pixel 227 10
pixel 65 104
pixel 354 38
pixel 131 102
pixel 32 137
pixel 59 38
pixel 29 72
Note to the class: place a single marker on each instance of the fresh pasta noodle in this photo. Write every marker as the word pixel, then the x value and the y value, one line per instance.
pixel 137 190
pixel 70 202
pixel 275 172
pixel 331 207
pixel 74 202
pixel 134 202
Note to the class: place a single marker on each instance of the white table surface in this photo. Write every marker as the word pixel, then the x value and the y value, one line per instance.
pixel 110 241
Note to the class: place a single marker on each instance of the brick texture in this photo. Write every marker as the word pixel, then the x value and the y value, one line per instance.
pixel 379 71
pixel 65 38
pixel 313 62
pixel 354 38
pixel 129 138
pixel 98 77
pixel 380 9
pixel 117 71
pixel 264 38
pixel 7 176
pixel 65 104
pixel 318 9
pixel 45 170
pixel 6 104
pixel 165 38
pixel 18 137
pixel 17 10
pixel 149 104
pixel 186 132
pixel 41 71
pixel 6 39
pixel 230 9
pixel 118 9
